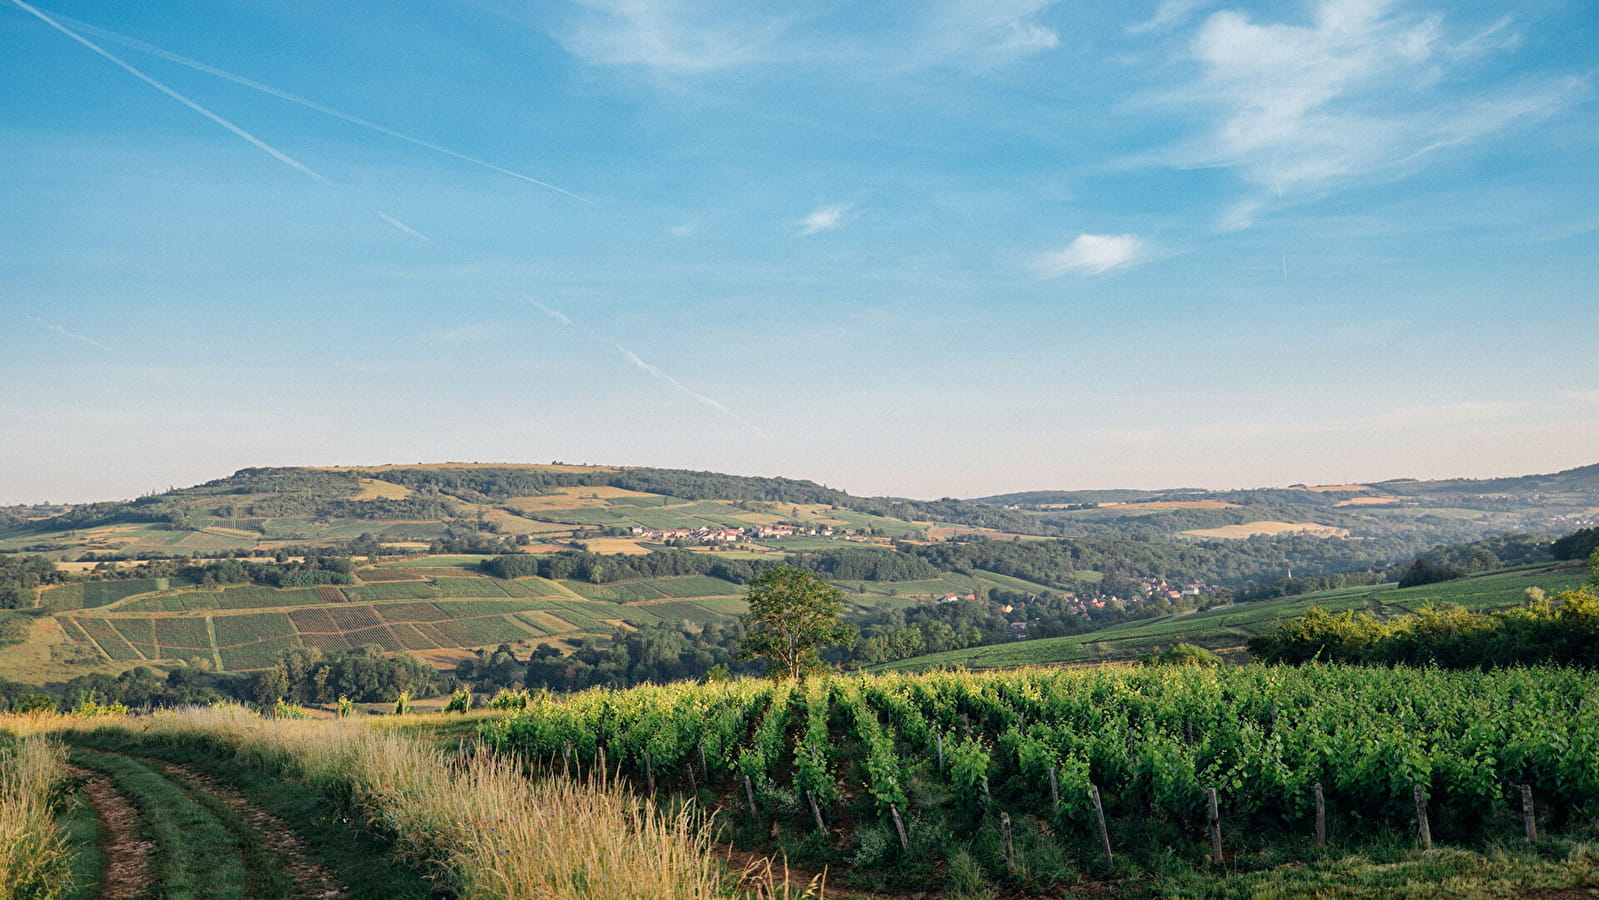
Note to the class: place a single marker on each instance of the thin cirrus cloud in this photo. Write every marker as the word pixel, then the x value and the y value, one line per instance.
pixel 1092 254
pixel 1365 89
pixel 678 36
pixel 824 218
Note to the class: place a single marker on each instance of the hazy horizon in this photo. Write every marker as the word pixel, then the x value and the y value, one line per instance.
pixel 953 248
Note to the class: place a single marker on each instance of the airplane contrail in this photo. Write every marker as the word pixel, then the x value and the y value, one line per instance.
pixel 548 311
pixel 680 386
pixel 198 66
pixel 270 150
pixel 653 371
pixel 403 227
pixel 70 334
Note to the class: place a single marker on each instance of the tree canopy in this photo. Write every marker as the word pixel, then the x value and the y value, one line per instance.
pixel 793 613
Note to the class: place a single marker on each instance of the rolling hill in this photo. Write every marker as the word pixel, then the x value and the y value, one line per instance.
pixel 1225 629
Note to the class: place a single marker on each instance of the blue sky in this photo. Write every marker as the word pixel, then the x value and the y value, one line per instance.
pixel 944 247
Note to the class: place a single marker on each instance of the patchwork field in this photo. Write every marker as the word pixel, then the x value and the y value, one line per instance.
pixel 429 606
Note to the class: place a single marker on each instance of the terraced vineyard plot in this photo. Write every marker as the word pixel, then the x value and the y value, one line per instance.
pixel 313 620
pixel 394 590
pixel 546 622
pixel 181 634
pixel 330 594
pixel 411 612
pixel 727 606
pixel 695 586
pixel 327 643
pixel 103 593
pixel 73 629
pixel 410 638
pixel 385 573
pixel 477 632
pixel 350 618
pixel 538 587
pixel 469 587
pixel 114 644
pixel 259 655
pixel 620 591
pixel 379 635
pixel 135 631
pixel 255 597
pixel 251 627
pixel 470 609
pixel 683 610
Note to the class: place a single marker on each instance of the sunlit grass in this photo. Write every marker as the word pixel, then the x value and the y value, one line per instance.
pixel 34 861
pixel 483 826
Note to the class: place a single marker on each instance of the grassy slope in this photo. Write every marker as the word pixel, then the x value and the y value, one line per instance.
pixel 1230 626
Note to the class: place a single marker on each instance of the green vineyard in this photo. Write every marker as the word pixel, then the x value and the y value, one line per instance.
pixel 889 769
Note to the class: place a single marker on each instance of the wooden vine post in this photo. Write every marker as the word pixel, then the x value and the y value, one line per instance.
pixel 1321 816
pixel 1054 792
pixel 1010 850
pixel 1099 813
pixel 816 812
pixel 1215 826
pixel 938 738
pixel 1422 827
pixel 749 794
pixel 703 767
pixel 693 783
pixel 1529 819
pixel 649 772
pixel 899 827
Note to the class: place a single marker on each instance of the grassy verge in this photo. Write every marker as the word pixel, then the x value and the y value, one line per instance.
pixel 35 861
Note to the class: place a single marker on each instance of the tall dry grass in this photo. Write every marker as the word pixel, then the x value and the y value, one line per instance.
pixel 34 859
pixel 491 831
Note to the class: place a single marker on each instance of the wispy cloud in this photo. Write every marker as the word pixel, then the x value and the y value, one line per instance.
pixel 1092 254
pixel 988 28
pixel 263 146
pixel 678 36
pixel 1168 14
pixel 553 313
pixel 169 56
pixel 403 227
pixel 824 218
pixel 70 334
pixel 679 386
pixel 1364 89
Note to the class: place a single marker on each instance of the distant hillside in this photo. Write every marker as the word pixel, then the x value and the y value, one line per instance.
pixel 420 505
pixel 1225 629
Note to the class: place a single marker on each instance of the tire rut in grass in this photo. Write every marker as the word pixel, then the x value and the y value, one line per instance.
pixel 127 853
pixel 292 856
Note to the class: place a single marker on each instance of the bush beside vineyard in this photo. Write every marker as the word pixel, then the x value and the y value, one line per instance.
pixel 948 753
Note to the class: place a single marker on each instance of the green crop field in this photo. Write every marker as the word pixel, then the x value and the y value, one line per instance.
pixel 694 586
pixel 469 587
pixel 684 610
pixel 394 590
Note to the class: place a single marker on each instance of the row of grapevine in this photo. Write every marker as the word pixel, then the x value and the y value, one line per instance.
pixel 962 746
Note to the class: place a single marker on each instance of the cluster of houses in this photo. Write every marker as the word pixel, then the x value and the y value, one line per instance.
pixel 725 535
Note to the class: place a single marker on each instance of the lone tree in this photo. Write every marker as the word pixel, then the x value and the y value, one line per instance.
pixel 792 614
